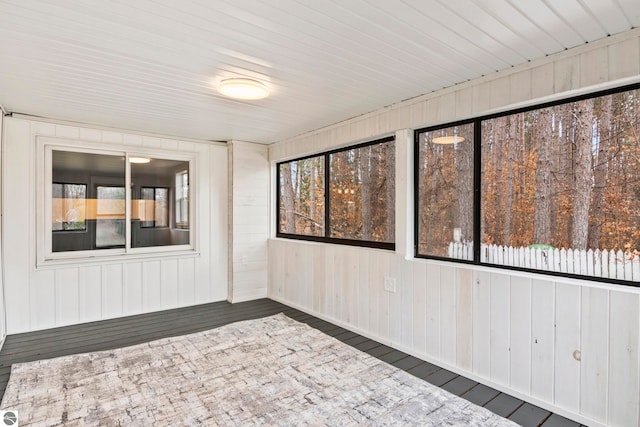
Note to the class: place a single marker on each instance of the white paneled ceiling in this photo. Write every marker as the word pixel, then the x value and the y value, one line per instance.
pixel 152 65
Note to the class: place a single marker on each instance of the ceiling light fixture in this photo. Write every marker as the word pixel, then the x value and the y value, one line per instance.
pixel 139 160
pixel 445 140
pixel 243 89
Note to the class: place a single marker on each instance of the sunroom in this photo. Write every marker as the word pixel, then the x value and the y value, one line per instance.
pixel 411 213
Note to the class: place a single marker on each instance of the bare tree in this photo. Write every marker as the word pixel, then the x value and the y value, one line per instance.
pixel 582 173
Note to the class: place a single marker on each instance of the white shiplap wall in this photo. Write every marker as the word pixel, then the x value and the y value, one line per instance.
pixel 3 318
pixel 249 220
pixel 568 345
pixel 50 296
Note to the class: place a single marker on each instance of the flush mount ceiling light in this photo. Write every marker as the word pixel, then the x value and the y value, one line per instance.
pixel 445 140
pixel 243 89
pixel 139 160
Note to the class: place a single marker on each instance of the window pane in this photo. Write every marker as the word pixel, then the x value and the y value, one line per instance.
pixel 445 192
pixel 560 187
pixel 151 184
pixel 182 199
pixel 110 217
pixel 301 201
pixel 362 193
pixel 80 207
pixel 68 206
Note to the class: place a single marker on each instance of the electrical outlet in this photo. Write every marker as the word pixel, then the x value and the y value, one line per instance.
pixel 389 284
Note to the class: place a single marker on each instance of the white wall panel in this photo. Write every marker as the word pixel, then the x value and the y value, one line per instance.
pixel 88 290
pixel 249 214
pixel 570 346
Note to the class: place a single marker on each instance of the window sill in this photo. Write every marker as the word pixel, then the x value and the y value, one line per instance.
pixel 122 258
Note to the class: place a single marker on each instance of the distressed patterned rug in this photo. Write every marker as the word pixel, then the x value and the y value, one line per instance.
pixel 270 371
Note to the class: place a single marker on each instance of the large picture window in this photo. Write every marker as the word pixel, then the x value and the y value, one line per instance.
pixel 105 202
pixel 343 196
pixel 556 189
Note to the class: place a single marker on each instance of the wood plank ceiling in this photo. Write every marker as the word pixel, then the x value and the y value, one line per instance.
pixel 152 65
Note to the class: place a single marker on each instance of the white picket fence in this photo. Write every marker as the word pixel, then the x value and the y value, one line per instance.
pixel 612 264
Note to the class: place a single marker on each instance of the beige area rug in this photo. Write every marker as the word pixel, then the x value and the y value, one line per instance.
pixel 270 371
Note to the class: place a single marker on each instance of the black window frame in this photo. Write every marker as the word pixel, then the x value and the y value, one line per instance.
pixel 477 185
pixel 327 202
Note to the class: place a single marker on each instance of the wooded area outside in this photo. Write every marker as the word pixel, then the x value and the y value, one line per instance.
pixel 564 177
pixel 361 194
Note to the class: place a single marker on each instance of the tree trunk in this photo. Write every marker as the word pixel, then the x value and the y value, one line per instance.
pixel 601 171
pixel 286 195
pixel 542 200
pixel 582 174
pixel 390 178
pixel 363 158
pixel 464 187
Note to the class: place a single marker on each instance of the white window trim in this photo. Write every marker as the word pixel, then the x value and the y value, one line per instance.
pixel 44 178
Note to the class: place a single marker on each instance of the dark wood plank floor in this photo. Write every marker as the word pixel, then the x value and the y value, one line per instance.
pixel 110 334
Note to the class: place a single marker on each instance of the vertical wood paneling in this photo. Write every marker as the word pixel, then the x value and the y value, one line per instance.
pixel 186 284
pixel 567 342
pixel 594 370
pixel 419 307
pixel 542 339
pixel 376 308
pixel 132 288
pixel 594 68
pixel 623 388
pixel 448 313
pixel 624 59
pixel 464 320
pixel 520 334
pixel 151 299
pixel 169 283
pixel 112 290
pixel 42 294
pixel 500 313
pixel 433 310
pixel 362 311
pixel 542 83
pixel 319 276
pixel 90 291
pixel 482 324
pixel 407 292
pixel 67 296
pixel 396 301
pixel 567 74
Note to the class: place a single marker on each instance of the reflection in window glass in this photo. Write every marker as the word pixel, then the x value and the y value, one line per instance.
pixel 154 207
pixel 362 193
pixel 152 183
pixel 110 217
pixel 301 201
pixel 182 199
pixel 68 206
pixel 87 196
pixel 445 191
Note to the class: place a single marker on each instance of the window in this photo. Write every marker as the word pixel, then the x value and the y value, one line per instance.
pixel 445 190
pixel 556 186
pixel 343 196
pixel 101 203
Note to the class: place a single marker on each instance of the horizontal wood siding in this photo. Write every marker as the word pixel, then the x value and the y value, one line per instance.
pixel 45 297
pixel 249 192
pixel 570 346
